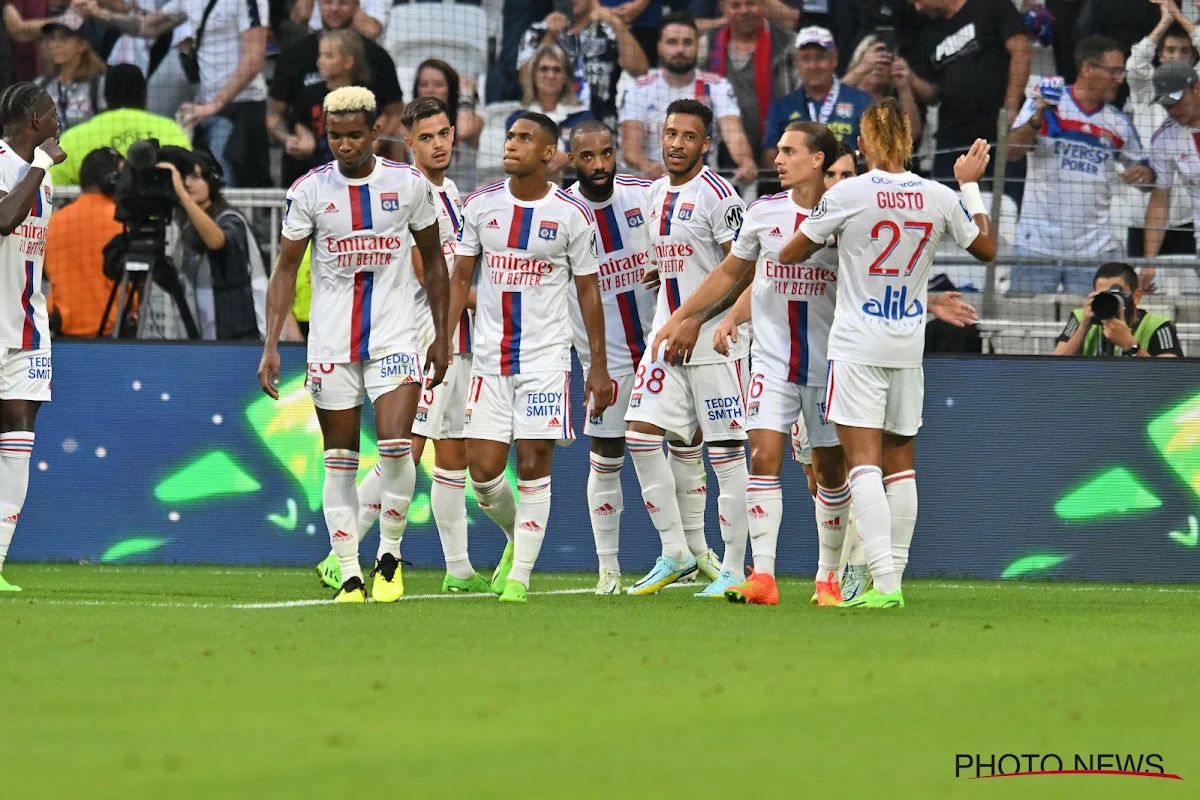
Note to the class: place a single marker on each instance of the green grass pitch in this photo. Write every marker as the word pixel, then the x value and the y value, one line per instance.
pixel 132 682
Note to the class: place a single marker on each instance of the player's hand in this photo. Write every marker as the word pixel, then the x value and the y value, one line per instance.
pixel 971 166
pixel 682 341
pixel 1138 175
pixel 52 148
pixel 947 307
pixel 268 372
pixel 725 332
pixel 598 393
pixel 437 361
pixel 651 281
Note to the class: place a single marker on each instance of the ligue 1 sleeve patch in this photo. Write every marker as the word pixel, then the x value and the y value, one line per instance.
pixel 733 218
pixel 820 211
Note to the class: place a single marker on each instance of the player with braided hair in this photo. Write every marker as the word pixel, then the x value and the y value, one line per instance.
pixel 28 150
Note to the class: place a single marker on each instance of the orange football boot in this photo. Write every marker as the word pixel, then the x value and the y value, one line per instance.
pixel 758 589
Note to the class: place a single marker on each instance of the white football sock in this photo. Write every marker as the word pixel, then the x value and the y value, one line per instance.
pixel 902 501
pixel 856 557
pixel 658 491
pixel 16 448
pixel 495 498
pixel 691 492
pixel 764 512
pixel 605 502
pixel 874 521
pixel 833 512
pixel 448 501
pixel 370 500
pixel 339 499
pixel 533 512
pixel 729 463
pixel 398 479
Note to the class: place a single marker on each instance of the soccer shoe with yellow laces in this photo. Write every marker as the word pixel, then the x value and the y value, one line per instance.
pixel 500 576
pixel 5 586
pixel 873 598
pixel 352 591
pixel 828 593
pixel 388 586
pixel 759 590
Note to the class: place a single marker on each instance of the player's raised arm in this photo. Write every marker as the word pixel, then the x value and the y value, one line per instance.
pixel 716 286
pixel 968 170
pixel 437 288
pixel 15 204
pixel 281 292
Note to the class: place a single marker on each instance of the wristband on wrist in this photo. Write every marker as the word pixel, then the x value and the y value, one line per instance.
pixel 972 199
pixel 42 159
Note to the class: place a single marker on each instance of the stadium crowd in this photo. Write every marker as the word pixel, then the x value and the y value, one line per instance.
pixel 1086 176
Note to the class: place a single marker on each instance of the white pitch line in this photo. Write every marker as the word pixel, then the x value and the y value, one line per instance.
pixel 446 596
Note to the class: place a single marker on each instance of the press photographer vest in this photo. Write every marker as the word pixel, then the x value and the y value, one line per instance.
pixel 1143 333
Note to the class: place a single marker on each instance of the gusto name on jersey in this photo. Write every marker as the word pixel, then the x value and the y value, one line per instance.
pixel 510 270
pixel 364 251
pixel 617 273
pixel 901 200
pixel 671 256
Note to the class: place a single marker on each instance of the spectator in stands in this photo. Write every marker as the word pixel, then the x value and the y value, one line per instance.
pixel 503 85
pixel 1074 143
pixel 1127 21
pixel 785 14
pixel 879 72
pixel 821 96
pixel 298 81
pixel 231 116
pixel 221 259
pixel 126 121
pixel 300 126
pixel 75 241
pixel 645 17
pixel 644 106
pixel 74 73
pixel 599 44
pixel 1108 328
pixel 548 91
pixel 23 20
pixel 369 18
pixel 1175 38
pixel 974 60
pixel 436 78
pixel 755 56
pixel 1173 156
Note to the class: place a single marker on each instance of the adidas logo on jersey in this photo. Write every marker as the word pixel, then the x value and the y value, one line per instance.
pixel 757 513
pixel 604 510
pixel 492 225
pixel 330 209
pixel 776 233
pixel 531 526
pixel 834 523
pixel 342 536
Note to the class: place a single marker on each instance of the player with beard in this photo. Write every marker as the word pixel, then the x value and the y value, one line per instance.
pixel 534 240
pixel 359 212
pixel 619 203
pixel 694 217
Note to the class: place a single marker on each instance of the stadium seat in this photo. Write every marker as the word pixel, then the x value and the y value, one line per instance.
pixel 457 34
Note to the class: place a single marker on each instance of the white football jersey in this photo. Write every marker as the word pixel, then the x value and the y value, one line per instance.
pixel 23 323
pixel 624 258
pixel 362 278
pixel 531 254
pixel 647 99
pixel 888 228
pixel 1071 172
pixel 449 208
pixel 688 225
pixel 1175 159
pixel 791 305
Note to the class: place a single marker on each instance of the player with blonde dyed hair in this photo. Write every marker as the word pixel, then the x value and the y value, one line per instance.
pixel 360 212
pixel 887 224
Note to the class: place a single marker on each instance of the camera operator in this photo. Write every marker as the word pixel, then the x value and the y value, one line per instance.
pixel 220 256
pixel 1110 323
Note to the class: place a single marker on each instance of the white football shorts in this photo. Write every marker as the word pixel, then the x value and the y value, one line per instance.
pixel 682 399
pixel 337 387
pixel 507 408
pixel 611 424
pixel 441 411
pixel 775 404
pixel 25 374
pixel 887 398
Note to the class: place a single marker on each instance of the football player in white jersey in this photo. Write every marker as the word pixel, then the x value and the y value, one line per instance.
pixel 30 147
pixel 440 411
pixel 619 203
pixel 533 240
pixel 694 216
pixel 888 223
pixel 359 212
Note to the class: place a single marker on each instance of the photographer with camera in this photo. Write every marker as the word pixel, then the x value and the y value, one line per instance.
pixel 1110 323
